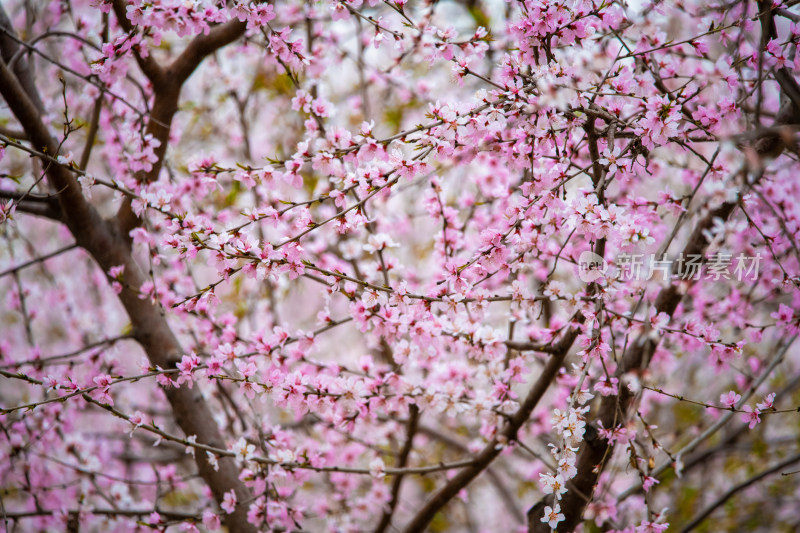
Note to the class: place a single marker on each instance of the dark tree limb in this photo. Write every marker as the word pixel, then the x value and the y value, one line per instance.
pixel 402 460
pixel 772 145
pixel 509 499
pixel 35 204
pixel 14 134
pixel 8 48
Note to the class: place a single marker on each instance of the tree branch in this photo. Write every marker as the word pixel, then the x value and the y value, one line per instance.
pixel 76 210
pixel 773 145
pixel 35 204
pixel 411 431
pixel 507 436
pixel 8 48
pixel 38 260
pixel 14 134
pixel 494 478
pixel 167 83
pixel 203 46
pixel 169 515
pixel 697 520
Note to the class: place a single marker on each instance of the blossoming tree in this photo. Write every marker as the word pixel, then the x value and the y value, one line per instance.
pixel 355 265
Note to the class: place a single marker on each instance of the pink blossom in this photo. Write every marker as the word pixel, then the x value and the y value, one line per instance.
pixel 651 527
pixel 211 520
pixel 729 399
pixel 229 502
pixel 751 416
pixel 648 482
pixel 767 403
pixel 606 386
pixel 551 484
